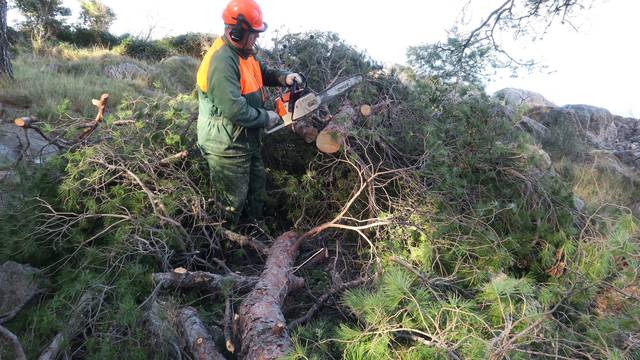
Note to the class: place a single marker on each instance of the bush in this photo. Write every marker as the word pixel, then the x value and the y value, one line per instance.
pixel 149 50
pixel 190 44
pixel 88 38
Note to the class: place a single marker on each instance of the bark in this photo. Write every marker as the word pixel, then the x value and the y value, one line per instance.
pixel 5 56
pixel 18 351
pixel 261 324
pixel 196 336
pixel 306 131
pixel 202 280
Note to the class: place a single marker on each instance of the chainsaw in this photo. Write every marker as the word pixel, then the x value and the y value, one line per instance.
pixel 299 101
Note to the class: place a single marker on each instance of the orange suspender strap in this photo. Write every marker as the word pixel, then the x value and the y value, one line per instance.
pixel 250 74
pixel 203 70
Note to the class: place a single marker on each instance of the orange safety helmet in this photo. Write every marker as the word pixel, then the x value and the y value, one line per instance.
pixel 245 13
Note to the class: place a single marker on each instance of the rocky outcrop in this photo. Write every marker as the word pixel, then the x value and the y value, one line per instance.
pixel 614 139
pixel 518 97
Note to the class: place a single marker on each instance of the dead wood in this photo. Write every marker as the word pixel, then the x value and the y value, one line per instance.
pixel 196 336
pixel 77 323
pixel 92 126
pixel 244 240
pixel 184 280
pixel 261 324
pixel 163 331
pixel 228 326
pixel 168 160
pixel 123 122
pixel 13 340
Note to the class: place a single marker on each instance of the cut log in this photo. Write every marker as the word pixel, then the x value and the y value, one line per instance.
pixel 365 110
pixel 197 337
pixel 261 324
pixel 330 139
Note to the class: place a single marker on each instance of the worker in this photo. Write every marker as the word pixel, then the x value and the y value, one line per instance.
pixel 232 116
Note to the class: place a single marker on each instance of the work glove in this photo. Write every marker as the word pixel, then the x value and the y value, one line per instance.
pixel 293 77
pixel 274 119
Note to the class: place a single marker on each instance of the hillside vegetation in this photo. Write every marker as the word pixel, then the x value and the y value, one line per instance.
pixel 449 232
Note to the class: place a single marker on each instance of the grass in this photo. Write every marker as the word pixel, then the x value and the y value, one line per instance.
pixel 64 79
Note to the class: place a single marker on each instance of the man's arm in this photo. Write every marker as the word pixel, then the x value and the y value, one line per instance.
pixel 224 89
pixel 272 77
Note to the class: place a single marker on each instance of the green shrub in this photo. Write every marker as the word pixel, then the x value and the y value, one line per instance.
pixel 190 44
pixel 88 38
pixel 149 50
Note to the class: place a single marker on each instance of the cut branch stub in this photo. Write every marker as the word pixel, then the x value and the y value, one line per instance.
pixel 24 122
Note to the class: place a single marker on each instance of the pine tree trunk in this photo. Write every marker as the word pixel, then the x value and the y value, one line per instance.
pixel 261 326
pixel 5 59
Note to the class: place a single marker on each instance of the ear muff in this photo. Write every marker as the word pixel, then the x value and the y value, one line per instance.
pixel 238 31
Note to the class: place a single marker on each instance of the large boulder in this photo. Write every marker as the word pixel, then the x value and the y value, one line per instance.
pixel 14 145
pixel 18 285
pixel 596 125
pixel 513 97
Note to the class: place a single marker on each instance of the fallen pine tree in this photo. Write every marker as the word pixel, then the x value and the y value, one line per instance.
pixel 429 231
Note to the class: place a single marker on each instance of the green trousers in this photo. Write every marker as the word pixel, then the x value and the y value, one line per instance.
pixel 239 184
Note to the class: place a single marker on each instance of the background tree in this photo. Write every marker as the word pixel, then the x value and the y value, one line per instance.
pixel 5 58
pixel 43 18
pixel 96 16
pixel 471 56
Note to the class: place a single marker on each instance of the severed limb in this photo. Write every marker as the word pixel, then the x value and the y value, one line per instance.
pixel 196 336
pixel 184 280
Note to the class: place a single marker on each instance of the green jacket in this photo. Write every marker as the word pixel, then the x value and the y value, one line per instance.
pixel 231 100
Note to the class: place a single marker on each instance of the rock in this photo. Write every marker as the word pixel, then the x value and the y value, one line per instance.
pixel 13 143
pixel 513 97
pixel 595 125
pixel 537 130
pixel 126 71
pixel 19 284
pixel 607 161
pixel 541 160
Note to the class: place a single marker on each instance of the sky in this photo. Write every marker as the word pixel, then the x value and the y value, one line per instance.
pixel 598 63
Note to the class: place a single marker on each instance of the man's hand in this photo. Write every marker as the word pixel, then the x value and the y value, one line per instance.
pixel 274 120
pixel 293 77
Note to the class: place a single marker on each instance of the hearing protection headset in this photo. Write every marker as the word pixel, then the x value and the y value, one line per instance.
pixel 238 31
